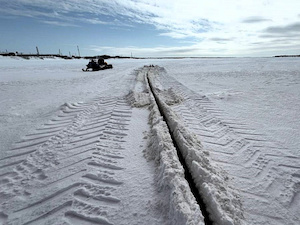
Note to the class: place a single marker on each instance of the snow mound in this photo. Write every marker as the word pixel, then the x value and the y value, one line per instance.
pixel 170 97
pixel 183 208
pixel 138 99
pixel 225 95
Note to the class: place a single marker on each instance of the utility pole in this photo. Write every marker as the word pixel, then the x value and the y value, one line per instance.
pixel 59 52
pixel 37 51
pixel 78 51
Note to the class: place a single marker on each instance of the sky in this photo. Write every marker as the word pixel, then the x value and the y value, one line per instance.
pixel 152 28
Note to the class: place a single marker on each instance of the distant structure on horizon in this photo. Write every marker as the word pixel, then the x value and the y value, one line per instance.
pixel 59 55
pixel 287 56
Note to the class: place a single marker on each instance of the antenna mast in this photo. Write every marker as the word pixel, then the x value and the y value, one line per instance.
pixel 78 51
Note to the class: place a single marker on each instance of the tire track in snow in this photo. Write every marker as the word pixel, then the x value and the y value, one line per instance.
pixel 32 142
pixel 66 172
pixel 262 169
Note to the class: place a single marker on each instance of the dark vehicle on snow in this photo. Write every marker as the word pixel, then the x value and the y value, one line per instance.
pixel 96 66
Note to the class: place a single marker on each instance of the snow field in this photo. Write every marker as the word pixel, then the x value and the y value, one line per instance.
pixel 72 143
pixel 77 167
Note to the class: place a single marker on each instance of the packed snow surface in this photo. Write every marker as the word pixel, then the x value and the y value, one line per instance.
pixel 92 147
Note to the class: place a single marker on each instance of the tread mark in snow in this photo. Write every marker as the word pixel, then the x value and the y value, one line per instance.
pixel 70 164
pixel 250 158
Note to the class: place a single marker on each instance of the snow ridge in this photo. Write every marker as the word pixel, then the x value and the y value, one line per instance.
pixel 182 206
pixel 222 202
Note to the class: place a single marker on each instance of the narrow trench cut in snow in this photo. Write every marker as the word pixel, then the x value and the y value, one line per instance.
pixel 187 174
pixel 221 203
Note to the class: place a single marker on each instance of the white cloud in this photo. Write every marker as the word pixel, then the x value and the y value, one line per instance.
pixel 144 52
pixel 95 21
pixel 240 23
pixel 198 50
pixel 58 23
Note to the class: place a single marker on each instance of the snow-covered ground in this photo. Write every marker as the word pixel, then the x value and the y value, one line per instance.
pixel 91 148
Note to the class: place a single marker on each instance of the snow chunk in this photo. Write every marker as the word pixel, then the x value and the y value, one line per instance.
pixel 170 97
pixel 138 99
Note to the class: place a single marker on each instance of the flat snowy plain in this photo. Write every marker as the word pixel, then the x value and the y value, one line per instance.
pixel 92 148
